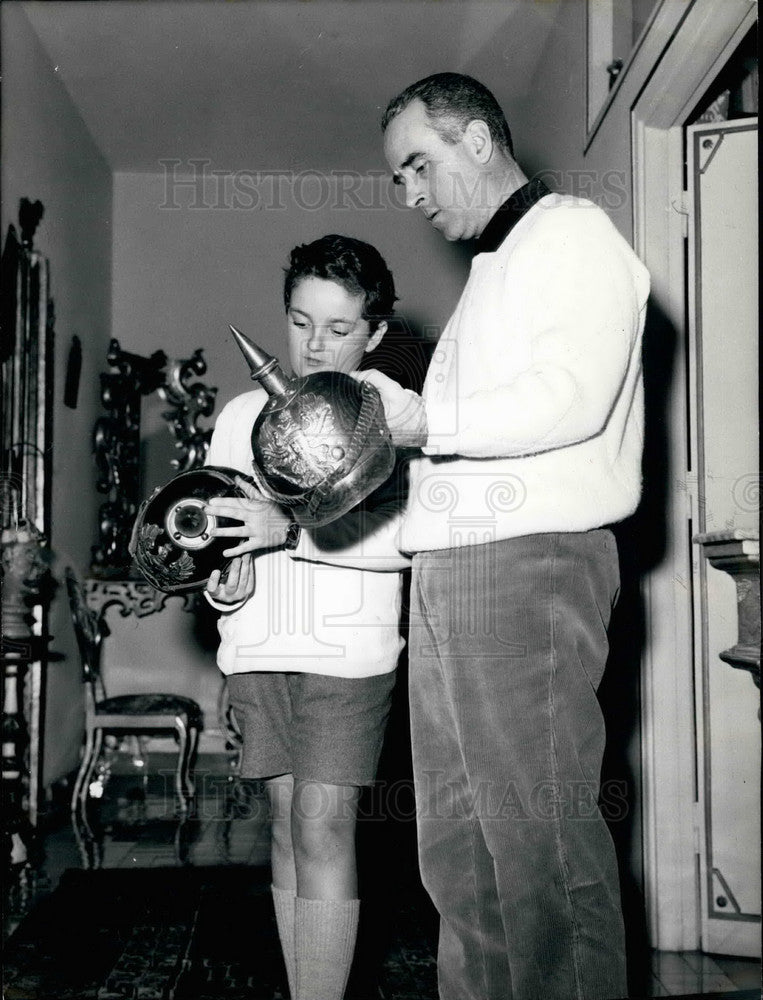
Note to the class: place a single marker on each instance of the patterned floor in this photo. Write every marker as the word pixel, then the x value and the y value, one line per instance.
pixel 134 827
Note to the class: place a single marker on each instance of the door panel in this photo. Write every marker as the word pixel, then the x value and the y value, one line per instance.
pixel 723 312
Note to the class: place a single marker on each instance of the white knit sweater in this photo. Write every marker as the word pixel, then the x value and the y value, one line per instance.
pixel 534 396
pixel 305 615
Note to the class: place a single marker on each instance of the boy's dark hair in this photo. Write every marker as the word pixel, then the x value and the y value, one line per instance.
pixel 355 265
pixel 452 100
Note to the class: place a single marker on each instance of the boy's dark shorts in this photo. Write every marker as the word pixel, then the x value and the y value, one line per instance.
pixel 314 726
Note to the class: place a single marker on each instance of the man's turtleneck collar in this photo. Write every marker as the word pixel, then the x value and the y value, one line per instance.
pixel 509 214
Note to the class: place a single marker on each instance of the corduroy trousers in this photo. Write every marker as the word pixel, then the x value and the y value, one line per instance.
pixel 508 645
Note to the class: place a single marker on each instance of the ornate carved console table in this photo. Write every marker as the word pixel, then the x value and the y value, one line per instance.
pixel 133 597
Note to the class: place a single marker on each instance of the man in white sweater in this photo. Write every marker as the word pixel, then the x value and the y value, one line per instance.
pixel 530 430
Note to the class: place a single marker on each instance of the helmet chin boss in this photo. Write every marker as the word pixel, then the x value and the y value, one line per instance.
pixel 171 541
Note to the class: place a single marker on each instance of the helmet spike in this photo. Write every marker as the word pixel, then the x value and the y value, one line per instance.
pixel 264 368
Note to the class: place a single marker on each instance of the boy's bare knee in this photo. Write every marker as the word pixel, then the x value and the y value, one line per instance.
pixel 323 820
pixel 280 834
pixel 322 838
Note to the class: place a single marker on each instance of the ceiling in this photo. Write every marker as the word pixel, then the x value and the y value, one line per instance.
pixel 272 84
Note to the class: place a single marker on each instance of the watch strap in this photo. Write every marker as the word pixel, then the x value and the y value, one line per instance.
pixel 293 533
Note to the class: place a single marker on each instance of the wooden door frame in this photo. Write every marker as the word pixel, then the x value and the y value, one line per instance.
pixel 702 43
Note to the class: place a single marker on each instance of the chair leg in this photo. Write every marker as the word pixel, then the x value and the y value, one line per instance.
pixel 190 784
pixel 89 760
pixel 86 754
pixel 182 763
pixel 97 747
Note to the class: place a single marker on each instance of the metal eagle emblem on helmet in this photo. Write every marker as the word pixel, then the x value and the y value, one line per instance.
pixel 321 444
pixel 300 451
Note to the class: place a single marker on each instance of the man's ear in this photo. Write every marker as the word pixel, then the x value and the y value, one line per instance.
pixel 479 140
pixel 375 339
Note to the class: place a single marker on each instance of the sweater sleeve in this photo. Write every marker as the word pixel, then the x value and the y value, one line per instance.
pixel 360 539
pixel 221 443
pixel 366 537
pixel 222 452
pixel 576 295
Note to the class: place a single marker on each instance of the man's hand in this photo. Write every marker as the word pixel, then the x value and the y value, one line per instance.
pixel 265 524
pixel 238 584
pixel 403 410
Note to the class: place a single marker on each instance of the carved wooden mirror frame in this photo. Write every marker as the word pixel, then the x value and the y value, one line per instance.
pixel 116 441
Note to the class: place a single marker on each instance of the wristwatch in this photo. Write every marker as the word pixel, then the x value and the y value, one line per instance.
pixel 292 536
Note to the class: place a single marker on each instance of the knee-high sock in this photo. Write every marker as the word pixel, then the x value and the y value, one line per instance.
pixel 325 934
pixel 284 905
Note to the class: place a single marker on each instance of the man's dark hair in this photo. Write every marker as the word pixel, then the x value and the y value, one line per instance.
pixel 452 100
pixel 355 265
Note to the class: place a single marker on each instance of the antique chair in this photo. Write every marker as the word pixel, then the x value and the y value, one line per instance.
pixel 126 713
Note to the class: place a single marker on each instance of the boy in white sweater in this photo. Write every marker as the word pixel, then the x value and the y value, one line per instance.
pixel 310 650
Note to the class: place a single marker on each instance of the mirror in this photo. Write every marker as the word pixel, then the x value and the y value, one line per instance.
pixel 117 441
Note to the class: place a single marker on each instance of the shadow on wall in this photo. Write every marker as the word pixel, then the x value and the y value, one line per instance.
pixel 403 354
pixel 641 542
